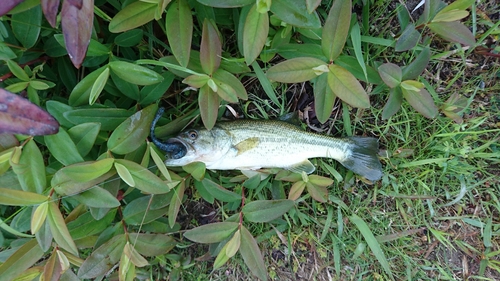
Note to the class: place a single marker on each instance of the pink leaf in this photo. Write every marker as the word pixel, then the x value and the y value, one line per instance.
pixel 77 28
pixel 50 8
pixel 8 5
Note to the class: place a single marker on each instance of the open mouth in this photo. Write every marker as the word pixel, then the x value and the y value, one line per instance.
pixel 176 148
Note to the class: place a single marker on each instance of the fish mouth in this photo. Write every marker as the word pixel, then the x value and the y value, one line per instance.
pixel 177 148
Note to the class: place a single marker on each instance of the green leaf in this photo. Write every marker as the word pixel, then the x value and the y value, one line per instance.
pixel 453 31
pixel 132 133
pixel 143 210
pixel 295 13
pixel 251 254
pixel 39 216
pixel 134 15
pixel 296 190
pixel 175 203
pixel 109 118
pixel 324 98
pixel 103 258
pixel 13 197
pixel 391 74
pixel 336 29
pixel 266 210
pixel 179 27
pixel 450 15
pixel 30 168
pixel 418 65
pixel 345 86
pixel 408 39
pixel 134 256
pixel 144 179
pixel 99 84
pixel 356 42
pixel 64 184
pixel 295 70
pixel 80 95
pixel 219 192
pixel 17 71
pixel 59 229
pixel 255 31
pixel 226 3
pixel 97 197
pixel 210 48
pixel 124 174
pixel 84 136
pixel 312 5
pixel 458 5
pixel 22 259
pixel 97 49
pixel 152 93
pixel 151 245
pixel 208 102
pixel 129 38
pixel 230 80
pixel 196 81
pixel 62 147
pixel 290 51
pixel 6 53
pixel 421 101
pixel 393 103
pixel 372 243
pixel 211 233
pixel 86 171
pixel 134 73
pixel 318 193
pixel 26 26
pixel 196 169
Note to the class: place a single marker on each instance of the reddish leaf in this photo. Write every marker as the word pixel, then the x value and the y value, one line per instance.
pixel 453 31
pixel 77 28
pixel 50 8
pixel 20 116
pixel 7 5
pixel 252 255
pixel 76 3
pixel 210 48
pixel 208 101
pixel 421 101
pixel 23 258
pixel 296 70
pixel 345 86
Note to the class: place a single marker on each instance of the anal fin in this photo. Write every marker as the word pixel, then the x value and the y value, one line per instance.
pixel 304 166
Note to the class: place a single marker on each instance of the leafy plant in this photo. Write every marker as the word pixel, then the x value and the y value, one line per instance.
pixel 88 200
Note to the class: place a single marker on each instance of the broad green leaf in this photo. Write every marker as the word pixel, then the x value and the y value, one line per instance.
pixel 97 197
pixel 255 31
pixel 40 85
pixel 80 94
pixel 208 102
pixel 229 250
pixel 179 27
pixel 421 101
pixel 129 38
pixel 412 85
pixel 312 5
pixel 17 87
pixel 132 132
pixel 210 48
pixel 393 103
pixel 251 254
pixel 97 49
pixel 320 181
pixel 30 168
pixel 86 171
pixel 336 29
pixel 153 93
pixel 450 15
pixel 99 84
pixel 196 81
pixel 345 86
pixel 62 147
pixel 324 98
pixel 219 192
pixel 225 91
pixel 230 80
pixel 318 193
pixel 6 53
pixel 175 203
pixel 295 13
pixel 141 210
pixel 124 174
pixel 26 26
pixel 103 258
pixel 408 38
pixel 453 31
pixel 11 197
pixel 134 15
pixel 222 256
pixel 391 74
pixel 84 136
pixel 109 118
pixel 134 256
pixel 17 71
pixel 211 233
pixel 196 169
pixel 150 245
pixel 418 65
pixel 126 269
pixel 22 259
pixel 295 70
pixel 122 86
pixel 66 185
pixel 458 5
pixel 86 225
pixel 59 229
pixel 226 3
pixel 372 243
pixel 290 51
pixel 144 179
pixel 266 210
pixel 134 73
pixel 39 216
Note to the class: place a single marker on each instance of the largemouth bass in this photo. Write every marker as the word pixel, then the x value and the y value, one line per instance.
pixel 255 144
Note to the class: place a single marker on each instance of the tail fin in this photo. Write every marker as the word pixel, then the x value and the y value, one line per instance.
pixel 363 158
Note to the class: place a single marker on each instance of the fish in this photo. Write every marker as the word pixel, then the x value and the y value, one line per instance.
pixel 256 144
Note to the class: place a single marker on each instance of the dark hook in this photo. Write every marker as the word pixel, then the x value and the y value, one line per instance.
pixel 175 150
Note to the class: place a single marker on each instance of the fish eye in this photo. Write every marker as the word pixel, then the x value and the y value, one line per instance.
pixel 192 134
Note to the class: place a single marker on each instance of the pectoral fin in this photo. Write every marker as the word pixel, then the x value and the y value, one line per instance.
pixel 304 166
pixel 246 145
